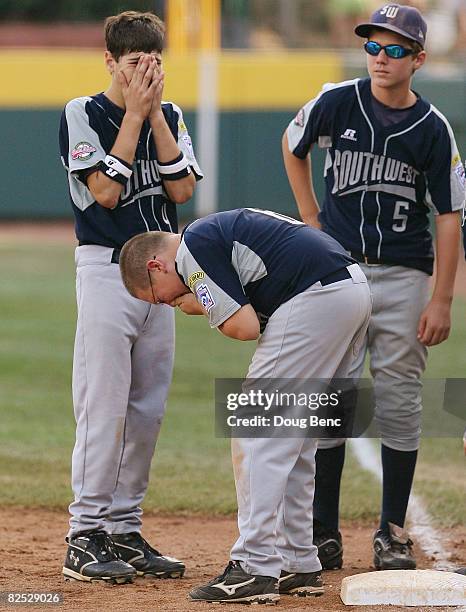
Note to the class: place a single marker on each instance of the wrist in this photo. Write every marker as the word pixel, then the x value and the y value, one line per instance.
pixel 133 117
pixel 442 299
pixel 311 219
pixel 156 116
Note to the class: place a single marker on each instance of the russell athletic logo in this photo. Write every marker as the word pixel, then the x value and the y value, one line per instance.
pixel 349 135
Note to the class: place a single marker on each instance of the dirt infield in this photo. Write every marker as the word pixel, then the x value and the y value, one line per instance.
pixel 33 550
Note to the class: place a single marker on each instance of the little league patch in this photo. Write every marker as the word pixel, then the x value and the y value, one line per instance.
pixel 205 297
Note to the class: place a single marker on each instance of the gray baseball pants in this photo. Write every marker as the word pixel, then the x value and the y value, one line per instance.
pixel 397 358
pixel 122 370
pixel 314 335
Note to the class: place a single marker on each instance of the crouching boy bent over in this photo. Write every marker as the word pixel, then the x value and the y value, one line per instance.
pixel 238 268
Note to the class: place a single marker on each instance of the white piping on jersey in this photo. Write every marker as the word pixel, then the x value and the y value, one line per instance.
pixel 377 225
pixel 363 242
pixel 153 213
pixel 399 190
pixel 271 213
pixel 147 142
pixel 152 197
pixel 147 192
pixel 113 123
pixel 408 129
pixel 363 111
pixel 165 216
pixel 143 218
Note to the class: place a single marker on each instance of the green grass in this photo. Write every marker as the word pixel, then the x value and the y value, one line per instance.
pixel 191 470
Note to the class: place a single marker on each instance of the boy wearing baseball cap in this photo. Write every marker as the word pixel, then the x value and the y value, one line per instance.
pixel 391 158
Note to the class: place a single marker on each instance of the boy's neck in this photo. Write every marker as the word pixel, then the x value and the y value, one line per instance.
pixel 396 97
pixel 114 94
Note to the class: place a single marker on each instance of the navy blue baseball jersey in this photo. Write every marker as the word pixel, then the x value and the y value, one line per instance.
pixel 247 255
pixel 381 181
pixel 88 130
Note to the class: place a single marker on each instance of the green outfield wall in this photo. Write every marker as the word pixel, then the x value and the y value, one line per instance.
pixel 258 94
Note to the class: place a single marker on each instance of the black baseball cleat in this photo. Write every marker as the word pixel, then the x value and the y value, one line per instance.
pixel 300 585
pixel 393 549
pixel 147 561
pixel 236 586
pixel 329 546
pixel 92 556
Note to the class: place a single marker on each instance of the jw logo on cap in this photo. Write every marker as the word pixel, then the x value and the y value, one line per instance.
pixel 390 11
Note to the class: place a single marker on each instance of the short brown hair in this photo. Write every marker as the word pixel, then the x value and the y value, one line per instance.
pixel 133 31
pixel 134 257
pixel 416 47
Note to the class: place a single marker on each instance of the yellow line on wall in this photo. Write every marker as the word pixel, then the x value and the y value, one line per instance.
pixel 247 80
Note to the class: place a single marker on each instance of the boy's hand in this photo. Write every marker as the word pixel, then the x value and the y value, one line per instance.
pixel 434 324
pixel 139 92
pixel 158 81
pixel 188 304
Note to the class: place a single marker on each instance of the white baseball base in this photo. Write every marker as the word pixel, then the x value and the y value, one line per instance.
pixel 404 588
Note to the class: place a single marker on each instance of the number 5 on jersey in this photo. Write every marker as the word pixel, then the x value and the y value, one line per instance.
pixel 400 217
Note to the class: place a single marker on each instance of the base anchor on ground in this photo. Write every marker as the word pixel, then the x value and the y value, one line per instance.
pixel 404 588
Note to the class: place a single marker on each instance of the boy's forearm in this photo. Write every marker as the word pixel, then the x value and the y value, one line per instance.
pixel 447 250
pixel 167 147
pixel 105 190
pixel 179 190
pixel 300 178
pixel 128 136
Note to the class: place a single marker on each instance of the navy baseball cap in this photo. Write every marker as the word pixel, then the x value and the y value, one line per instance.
pixel 404 20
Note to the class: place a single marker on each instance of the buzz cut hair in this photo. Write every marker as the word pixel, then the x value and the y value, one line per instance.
pixel 133 31
pixel 134 257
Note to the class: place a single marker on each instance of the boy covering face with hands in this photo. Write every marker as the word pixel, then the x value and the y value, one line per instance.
pixel 129 162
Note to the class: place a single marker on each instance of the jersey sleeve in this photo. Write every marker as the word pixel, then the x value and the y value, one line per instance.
pixel 216 286
pixel 444 172
pixel 80 150
pixel 84 147
pixel 310 126
pixel 185 144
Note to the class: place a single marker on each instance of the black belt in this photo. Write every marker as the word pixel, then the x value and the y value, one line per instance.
pixel 371 261
pixel 334 277
pixel 116 256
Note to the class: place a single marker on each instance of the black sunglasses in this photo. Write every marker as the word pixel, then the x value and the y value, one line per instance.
pixel 394 51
